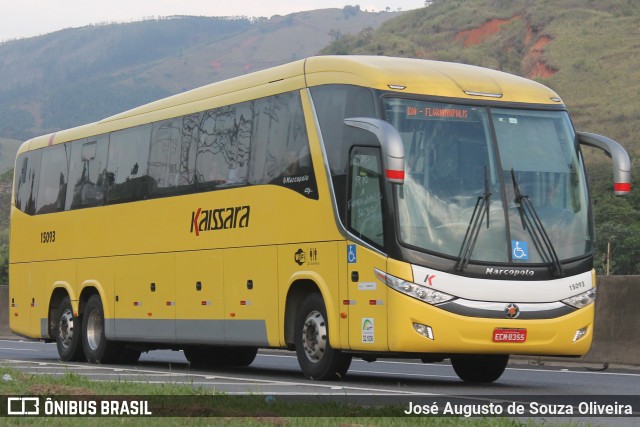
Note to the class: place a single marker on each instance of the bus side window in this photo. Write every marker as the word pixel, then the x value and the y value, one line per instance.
pixel 27 183
pixel 87 167
pixel 53 179
pixel 333 104
pixel 280 145
pixel 127 165
pixel 171 162
pixel 20 179
pixel 364 207
pixel 224 137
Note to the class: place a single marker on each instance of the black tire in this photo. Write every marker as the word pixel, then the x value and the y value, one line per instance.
pixel 479 368
pixel 238 356
pixel 68 333
pixel 220 356
pixel 97 348
pixel 317 359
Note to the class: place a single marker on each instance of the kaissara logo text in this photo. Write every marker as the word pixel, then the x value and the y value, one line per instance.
pixel 219 219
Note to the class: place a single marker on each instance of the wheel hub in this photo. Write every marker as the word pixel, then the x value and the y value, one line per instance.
pixel 314 336
pixel 94 330
pixel 66 328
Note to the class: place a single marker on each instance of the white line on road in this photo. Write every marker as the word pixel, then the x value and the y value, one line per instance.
pixel 18 349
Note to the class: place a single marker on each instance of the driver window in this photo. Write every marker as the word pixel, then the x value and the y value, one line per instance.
pixel 364 206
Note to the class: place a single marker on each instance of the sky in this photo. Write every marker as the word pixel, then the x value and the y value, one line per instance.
pixel 28 18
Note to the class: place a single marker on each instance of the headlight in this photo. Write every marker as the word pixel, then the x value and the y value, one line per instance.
pixel 414 290
pixel 581 300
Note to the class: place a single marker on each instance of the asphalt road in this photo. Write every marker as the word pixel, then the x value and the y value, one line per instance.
pixel 277 373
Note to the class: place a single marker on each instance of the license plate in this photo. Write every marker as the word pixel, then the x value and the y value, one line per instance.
pixel 509 335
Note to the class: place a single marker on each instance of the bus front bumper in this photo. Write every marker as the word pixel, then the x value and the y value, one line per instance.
pixel 417 327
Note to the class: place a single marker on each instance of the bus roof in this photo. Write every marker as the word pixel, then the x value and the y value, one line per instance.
pixel 402 75
pixel 427 77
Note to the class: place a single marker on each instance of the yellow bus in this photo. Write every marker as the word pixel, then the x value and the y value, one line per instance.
pixel 338 206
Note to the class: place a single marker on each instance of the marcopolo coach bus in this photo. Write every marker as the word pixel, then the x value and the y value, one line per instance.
pixel 340 207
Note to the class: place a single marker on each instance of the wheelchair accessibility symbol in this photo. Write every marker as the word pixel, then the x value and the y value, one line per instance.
pixel 519 250
pixel 351 254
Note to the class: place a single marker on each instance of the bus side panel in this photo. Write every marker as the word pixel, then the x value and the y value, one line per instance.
pixel 20 299
pixel 199 297
pixel 45 278
pixel 98 273
pixel 315 262
pixel 368 302
pixel 145 298
pixel 251 296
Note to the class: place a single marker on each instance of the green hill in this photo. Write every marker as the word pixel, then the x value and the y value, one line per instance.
pixel 81 75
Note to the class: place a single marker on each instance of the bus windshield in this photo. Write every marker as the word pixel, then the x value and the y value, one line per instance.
pixel 490 184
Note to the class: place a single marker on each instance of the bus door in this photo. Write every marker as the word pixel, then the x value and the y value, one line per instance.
pixel 367 296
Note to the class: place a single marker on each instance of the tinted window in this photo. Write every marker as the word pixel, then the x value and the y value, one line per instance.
pixel 127 165
pixel 333 104
pixel 86 172
pixel 365 203
pixel 224 139
pixel 53 179
pixel 280 147
pixel 171 159
pixel 258 142
pixel 27 178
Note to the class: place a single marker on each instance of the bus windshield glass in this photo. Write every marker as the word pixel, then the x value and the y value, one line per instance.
pixel 489 184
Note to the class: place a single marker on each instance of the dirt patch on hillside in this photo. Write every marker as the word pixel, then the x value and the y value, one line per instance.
pixel 533 64
pixel 475 36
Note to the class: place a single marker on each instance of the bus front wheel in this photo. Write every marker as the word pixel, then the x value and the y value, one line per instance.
pixel 68 333
pixel 317 359
pixel 479 368
pixel 96 347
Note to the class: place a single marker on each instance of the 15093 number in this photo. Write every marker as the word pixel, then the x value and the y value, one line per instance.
pixel 47 237
pixel 577 285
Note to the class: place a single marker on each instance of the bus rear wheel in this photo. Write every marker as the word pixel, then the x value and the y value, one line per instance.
pixel 97 348
pixel 479 368
pixel 317 359
pixel 68 333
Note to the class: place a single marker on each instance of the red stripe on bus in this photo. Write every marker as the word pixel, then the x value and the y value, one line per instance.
pixel 392 174
pixel 622 186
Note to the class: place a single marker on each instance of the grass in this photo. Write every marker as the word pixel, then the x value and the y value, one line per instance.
pixel 197 406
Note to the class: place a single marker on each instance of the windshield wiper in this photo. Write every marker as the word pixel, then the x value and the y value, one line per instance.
pixel 475 224
pixel 531 222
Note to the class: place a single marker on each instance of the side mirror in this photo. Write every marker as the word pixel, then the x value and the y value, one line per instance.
pixel 621 161
pixel 391 142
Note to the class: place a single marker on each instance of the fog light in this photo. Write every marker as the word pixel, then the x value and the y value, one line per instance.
pixel 580 333
pixel 423 330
